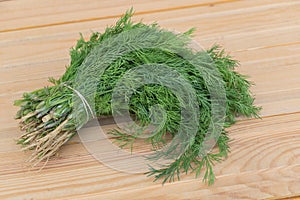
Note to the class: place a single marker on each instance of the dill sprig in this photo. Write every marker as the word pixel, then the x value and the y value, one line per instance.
pixel 46 115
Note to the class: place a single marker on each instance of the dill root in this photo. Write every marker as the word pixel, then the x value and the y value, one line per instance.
pixel 47 116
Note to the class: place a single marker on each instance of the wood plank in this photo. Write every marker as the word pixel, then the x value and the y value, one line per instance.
pixel 14 12
pixel 47 13
pixel 17 16
pixel 267 186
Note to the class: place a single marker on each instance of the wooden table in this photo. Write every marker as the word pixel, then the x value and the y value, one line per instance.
pixel 35 37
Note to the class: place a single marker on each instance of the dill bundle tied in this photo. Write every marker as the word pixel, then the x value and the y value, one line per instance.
pixel 49 118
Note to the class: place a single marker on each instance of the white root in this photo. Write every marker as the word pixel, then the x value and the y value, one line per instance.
pixel 31 114
pixel 46 146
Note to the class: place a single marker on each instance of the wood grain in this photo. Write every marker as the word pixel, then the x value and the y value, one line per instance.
pixel 264 162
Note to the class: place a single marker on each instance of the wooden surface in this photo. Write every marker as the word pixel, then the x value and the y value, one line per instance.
pixel 264 35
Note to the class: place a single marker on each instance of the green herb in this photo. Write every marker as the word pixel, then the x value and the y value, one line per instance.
pixel 46 115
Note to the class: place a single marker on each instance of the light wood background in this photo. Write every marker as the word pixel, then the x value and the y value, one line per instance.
pixel 35 37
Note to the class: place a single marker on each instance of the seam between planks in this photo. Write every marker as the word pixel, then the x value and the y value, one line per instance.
pixel 268 47
pixel 119 15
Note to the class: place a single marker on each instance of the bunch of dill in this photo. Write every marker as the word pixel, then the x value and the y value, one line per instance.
pixel 46 115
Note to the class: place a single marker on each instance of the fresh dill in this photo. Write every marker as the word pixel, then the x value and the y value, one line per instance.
pixel 46 115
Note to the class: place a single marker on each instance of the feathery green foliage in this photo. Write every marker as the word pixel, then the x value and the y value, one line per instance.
pixel 46 114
